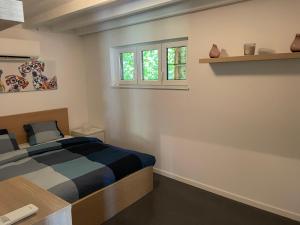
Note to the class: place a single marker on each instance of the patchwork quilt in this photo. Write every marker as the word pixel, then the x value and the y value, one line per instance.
pixel 73 168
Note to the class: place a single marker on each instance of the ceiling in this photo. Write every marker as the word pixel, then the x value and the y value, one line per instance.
pixel 34 7
pixel 88 16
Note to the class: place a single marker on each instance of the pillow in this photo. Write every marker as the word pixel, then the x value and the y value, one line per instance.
pixel 38 133
pixel 8 143
pixel 3 131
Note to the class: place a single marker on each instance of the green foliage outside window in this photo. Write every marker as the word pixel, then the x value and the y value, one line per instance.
pixel 150 64
pixel 127 64
pixel 177 63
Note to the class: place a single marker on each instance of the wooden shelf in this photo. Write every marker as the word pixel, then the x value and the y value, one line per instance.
pixel 277 56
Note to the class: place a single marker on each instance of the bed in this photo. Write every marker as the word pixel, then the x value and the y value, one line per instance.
pixel 98 179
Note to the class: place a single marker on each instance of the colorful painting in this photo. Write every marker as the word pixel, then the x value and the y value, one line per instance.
pixel 33 75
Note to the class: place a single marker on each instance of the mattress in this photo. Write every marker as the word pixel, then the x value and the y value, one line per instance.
pixel 73 168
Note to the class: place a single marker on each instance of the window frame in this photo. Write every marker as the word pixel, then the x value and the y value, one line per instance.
pixel 140 49
pixel 118 53
pixel 165 46
pixel 138 82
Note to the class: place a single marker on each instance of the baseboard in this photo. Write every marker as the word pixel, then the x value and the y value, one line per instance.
pixel 236 197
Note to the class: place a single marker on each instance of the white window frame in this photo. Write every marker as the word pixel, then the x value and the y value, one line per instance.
pixel 117 57
pixel 138 82
pixel 140 64
pixel 165 46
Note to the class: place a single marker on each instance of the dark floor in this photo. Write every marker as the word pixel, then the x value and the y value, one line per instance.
pixel 175 203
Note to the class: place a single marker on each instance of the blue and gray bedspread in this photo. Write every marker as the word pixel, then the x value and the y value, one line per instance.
pixel 73 168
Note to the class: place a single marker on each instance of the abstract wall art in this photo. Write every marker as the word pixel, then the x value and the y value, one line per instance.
pixel 32 75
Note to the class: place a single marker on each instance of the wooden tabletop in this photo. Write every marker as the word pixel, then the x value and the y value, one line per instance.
pixel 18 192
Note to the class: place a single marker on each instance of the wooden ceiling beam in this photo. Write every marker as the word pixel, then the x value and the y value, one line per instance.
pixel 64 10
pixel 110 13
pixel 181 8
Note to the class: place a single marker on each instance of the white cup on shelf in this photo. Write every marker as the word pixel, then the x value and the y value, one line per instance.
pixel 249 48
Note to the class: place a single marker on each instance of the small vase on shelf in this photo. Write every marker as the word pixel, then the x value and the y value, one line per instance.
pixel 214 52
pixel 295 47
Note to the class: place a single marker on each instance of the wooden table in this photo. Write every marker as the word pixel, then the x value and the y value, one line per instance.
pixel 18 192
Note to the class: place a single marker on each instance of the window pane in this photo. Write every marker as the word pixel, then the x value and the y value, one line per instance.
pixel 150 64
pixel 176 72
pixel 127 65
pixel 177 58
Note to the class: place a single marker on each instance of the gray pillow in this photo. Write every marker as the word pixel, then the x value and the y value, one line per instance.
pixel 8 143
pixel 38 133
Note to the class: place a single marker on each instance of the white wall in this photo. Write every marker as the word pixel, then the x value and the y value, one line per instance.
pixel 236 132
pixel 66 51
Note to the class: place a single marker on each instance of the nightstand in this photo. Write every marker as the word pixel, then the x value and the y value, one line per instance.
pixel 90 132
pixel 18 192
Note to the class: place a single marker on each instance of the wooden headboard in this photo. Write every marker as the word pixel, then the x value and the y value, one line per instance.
pixel 14 123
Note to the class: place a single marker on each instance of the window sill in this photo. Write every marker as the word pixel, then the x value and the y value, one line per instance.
pixel 155 87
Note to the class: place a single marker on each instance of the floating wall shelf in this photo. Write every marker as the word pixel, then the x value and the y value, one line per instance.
pixel 277 56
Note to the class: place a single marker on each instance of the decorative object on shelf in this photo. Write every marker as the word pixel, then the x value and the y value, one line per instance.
pixel 214 52
pixel 224 53
pixel 265 51
pixel 295 47
pixel 33 75
pixel 249 49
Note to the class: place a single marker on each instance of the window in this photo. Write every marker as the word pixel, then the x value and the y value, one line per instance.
pixel 176 64
pixel 150 64
pixel 127 66
pixel 162 65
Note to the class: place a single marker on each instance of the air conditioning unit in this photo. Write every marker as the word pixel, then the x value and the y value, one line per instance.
pixel 11 13
pixel 15 49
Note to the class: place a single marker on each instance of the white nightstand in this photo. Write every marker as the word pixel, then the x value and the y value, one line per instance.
pixel 90 132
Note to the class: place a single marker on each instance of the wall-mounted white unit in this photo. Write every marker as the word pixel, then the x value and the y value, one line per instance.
pixel 11 13
pixel 15 48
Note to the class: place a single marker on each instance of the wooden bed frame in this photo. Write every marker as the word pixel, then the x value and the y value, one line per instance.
pixel 103 204
pixel 15 123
